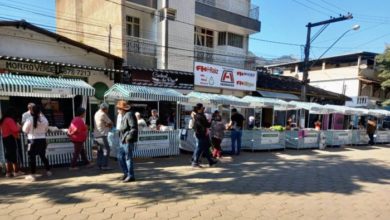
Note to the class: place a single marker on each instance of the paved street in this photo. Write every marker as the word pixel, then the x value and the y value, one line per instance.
pixel 339 183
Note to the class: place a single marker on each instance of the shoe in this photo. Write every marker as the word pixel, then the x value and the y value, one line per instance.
pixel 129 179
pixel 213 162
pixel 19 173
pixel 196 165
pixel 73 168
pixel 49 173
pixel 8 175
pixel 107 168
pixel 123 177
pixel 31 177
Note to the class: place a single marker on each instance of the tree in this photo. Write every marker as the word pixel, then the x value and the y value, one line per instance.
pixel 383 64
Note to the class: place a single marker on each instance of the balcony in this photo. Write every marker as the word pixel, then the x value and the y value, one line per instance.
pixel 141 52
pixel 235 12
pixel 362 101
pixel 223 58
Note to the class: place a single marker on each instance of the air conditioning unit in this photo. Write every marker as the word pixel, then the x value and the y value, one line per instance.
pixel 168 13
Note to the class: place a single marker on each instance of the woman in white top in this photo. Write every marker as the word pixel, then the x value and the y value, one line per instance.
pixel 36 127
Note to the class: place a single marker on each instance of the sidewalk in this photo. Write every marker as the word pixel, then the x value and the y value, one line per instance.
pixel 340 183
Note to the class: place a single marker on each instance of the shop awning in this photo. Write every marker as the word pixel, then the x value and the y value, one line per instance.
pixel 260 102
pixel 313 108
pixel 278 95
pixel 44 87
pixel 143 93
pixel 378 112
pixel 215 99
pixel 346 110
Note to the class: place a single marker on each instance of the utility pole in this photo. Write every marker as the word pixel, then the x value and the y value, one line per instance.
pixel 305 77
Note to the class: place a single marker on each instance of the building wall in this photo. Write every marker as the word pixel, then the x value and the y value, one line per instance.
pixel 25 43
pixel 88 21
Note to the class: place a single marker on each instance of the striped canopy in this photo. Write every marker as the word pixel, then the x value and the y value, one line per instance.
pixel 143 93
pixel 215 99
pixel 260 102
pixel 44 87
pixel 313 108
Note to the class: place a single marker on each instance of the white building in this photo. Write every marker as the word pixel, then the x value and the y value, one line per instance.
pixel 164 34
pixel 351 74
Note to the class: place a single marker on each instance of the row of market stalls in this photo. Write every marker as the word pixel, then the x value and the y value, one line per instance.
pixel 168 142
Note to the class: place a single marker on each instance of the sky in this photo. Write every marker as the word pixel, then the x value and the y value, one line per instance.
pixel 282 21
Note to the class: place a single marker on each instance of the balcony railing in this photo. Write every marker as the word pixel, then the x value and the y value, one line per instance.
pixel 141 46
pixel 362 101
pixel 236 6
pixel 223 58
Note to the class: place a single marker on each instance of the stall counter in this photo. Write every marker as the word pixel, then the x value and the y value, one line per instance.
pixel 303 139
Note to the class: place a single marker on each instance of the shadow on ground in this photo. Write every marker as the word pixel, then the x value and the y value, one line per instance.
pixel 171 179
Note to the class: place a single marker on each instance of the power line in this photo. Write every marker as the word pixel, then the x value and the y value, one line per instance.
pixel 309 7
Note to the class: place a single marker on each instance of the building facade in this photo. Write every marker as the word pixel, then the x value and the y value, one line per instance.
pixel 352 75
pixel 164 34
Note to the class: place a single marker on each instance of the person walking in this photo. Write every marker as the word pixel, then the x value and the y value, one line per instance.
pixel 236 125
pixel 371 128
pixel 78 132
pixel 129 135
pixel 10 135
pixel 103 125
pixel 201 127
pixel 217 134
pixel 36 127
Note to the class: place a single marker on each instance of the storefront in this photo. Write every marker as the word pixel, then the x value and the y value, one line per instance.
pixel 58 98
pixel 151 142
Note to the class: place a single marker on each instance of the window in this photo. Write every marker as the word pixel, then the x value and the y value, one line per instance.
pixel 227 38
pixel 132 26
pixel 203 37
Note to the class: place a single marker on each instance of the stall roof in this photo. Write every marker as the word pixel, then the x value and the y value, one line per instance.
pixel 215 99
pixel 143 93
pixel 378 112
pixel 34 86
pixel 278 95
pixel 260 102
pixel 313 108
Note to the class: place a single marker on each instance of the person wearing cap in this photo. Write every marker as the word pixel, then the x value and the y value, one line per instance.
pixel 201 128
pixel 103 124
pixel 78 132
pixel 236 125
pixel 129 135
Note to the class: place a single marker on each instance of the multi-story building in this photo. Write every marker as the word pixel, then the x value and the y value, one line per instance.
pixel 351 74
pixel 164 34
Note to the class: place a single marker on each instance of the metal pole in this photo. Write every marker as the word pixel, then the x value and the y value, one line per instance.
pixel 177 116
pixel 273 116
pixel 73 106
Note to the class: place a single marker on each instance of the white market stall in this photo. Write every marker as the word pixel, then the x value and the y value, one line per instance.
pixel 261 138
pixel 60 148
pixel 381 136
pixel 306 138
pixel 188 142
pixel 150 143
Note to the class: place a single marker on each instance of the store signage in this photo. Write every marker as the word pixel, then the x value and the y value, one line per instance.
pixel 178 80
pixel 153 142
pixel 59 91
pixel 343 136
pixel 41 68
pixel 224 77
pixel 269 138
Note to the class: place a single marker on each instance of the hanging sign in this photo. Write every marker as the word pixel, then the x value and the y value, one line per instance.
pixel 224 77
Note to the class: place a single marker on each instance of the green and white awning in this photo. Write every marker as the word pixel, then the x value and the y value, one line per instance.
pixel 44 87
pixel 215 99
pixel 143 93
pixel 260 102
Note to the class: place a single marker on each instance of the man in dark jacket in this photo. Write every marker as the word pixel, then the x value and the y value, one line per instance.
pixel 371 128
pixel 129 135
pixel 201 127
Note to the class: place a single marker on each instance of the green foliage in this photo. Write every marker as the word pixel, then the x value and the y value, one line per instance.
pixel 383 64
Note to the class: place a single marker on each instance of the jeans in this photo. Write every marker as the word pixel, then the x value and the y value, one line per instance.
pixel 103 151
pixel 236 137
pixel 37 147
pixel 202 147
pixel 125 159
pixel 79 150
pixel 371 136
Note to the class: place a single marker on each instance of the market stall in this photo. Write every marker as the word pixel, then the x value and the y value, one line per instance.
pixel 266 138
pixel 381 135
pixel 213 102
pixel 306 138
pixel 151 143
pixel 60 148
